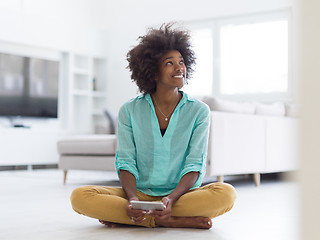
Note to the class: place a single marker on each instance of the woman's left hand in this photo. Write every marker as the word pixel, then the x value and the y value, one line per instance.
pixel 166 212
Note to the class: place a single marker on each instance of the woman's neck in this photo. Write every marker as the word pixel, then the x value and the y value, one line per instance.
pixel 166 98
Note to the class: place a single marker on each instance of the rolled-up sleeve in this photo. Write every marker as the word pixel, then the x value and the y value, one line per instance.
pixel 197 154
pixel 126 150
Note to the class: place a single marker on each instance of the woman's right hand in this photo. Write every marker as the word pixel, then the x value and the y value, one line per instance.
pixel 136 215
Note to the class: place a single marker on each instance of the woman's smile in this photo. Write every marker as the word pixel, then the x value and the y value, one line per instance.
pixel 180 75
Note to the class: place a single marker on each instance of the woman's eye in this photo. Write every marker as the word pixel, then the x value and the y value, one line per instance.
pixel 170 63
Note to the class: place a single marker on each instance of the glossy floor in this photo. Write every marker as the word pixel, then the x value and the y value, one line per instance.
pixel 35 205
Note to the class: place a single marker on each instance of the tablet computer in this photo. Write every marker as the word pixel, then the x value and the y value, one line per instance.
pixel 145 205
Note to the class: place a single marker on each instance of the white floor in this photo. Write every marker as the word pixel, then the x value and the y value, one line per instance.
pixel 35 205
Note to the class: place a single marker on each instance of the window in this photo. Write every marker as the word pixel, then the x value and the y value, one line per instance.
pixel 243 58
pixel 254 58
pixel 201 82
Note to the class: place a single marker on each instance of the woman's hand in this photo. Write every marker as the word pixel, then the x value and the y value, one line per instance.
pixel 136 215
pixel 166 212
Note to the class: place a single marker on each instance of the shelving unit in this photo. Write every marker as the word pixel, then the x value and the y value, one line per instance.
pixel 86 92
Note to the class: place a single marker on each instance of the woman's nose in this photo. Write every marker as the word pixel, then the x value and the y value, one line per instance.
pixel 179 68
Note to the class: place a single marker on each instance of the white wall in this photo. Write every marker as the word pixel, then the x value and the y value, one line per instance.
pixel 131 18
pixel 309 49
pixel 67 25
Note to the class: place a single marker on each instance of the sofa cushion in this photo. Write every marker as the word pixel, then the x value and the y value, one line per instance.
pixel 90 162
pixel 216 104
pixel 293 110
pixel 88 145
pixel 273 109
pixel 106 125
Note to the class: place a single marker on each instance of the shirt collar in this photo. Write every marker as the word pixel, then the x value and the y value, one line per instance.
pixel 184 99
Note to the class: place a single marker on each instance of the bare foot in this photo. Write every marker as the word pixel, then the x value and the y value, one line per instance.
pixel 186 222
pixel 110 224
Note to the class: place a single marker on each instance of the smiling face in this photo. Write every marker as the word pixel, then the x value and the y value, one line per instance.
pixel 172 70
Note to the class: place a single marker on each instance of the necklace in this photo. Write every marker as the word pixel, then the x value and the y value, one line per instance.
pixel 165 116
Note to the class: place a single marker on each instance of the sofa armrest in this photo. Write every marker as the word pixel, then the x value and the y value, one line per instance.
pixel 236 143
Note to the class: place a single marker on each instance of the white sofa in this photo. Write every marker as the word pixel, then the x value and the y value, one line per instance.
pixel 91 151
pixel 87 152
pixel 245 138
pixel 251 138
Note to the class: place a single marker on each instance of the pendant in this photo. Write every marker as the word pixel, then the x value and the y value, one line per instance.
pixel 166 119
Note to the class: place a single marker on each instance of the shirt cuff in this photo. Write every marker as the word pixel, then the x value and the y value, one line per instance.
pixel 196 167
pixel 127 167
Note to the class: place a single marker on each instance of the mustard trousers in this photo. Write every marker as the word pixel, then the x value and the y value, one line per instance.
pixel 109 203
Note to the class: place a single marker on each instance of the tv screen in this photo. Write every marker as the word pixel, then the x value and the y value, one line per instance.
pixel 28 86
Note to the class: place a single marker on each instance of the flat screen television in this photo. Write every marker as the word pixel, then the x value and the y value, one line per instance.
pixel 28 86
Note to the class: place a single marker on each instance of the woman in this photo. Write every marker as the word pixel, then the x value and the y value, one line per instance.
pixel 162 145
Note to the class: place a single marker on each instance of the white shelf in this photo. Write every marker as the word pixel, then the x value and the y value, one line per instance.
pixel 78 92
pixel 80 62
pixel 80 71
pixel 97 112
pixel 98 94
pixel 87 92
pixel 29 146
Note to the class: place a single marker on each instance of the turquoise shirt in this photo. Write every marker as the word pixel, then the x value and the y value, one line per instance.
pixel 158 163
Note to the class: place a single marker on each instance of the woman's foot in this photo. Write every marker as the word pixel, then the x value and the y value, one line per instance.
pixel 110 224
pixel 186 222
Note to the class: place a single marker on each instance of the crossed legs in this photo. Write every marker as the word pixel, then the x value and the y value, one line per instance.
pixel 193 209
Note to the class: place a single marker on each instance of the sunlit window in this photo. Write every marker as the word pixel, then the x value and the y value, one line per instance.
pixel 201 82
pixel 243 57
pixel 254 58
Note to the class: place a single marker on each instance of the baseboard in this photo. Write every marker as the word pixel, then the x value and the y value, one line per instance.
pixel 28 167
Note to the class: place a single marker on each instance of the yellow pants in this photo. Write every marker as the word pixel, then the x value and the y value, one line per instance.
pixel 109 203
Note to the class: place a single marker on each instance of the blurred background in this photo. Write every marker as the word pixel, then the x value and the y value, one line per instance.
pixel 70 55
